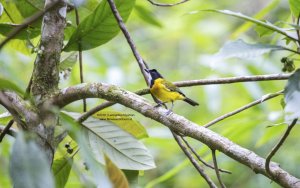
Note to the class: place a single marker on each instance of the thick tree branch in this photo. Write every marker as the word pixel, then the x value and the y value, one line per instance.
pixel 45 77
pixel 201 82
pixel 46 70
pixel 175 123
pixel 20 109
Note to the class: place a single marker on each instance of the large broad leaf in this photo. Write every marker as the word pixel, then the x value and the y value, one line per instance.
pixel 99 27
pixel 8 85
pixel 295 7
pixel 29 33
pixel 68 61
pixel 292 97
pixel 28 166
pixel 121 147
pixel 5 118
pixel 267 25
pixel 75 131
pixel 259 15
pixel 61 168
pixel 116 176
pixel 124 121
pixel 241 49
pixel 26 8
pixel 147 15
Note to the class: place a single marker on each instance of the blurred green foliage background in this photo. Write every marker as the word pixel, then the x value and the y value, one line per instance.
pixel 181 46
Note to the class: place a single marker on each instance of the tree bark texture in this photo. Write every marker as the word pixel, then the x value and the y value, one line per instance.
pixel 178 124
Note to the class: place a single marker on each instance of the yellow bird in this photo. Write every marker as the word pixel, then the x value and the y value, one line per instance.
pixel 166 91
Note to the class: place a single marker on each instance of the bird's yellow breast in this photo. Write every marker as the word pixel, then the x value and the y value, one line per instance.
pixel 161 92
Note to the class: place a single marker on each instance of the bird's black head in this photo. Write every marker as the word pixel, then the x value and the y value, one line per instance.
pixel 154 74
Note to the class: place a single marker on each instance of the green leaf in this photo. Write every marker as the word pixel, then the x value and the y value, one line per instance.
pixel 124 121
pixel 132 177
pixel 270 134
pixel 241 49
pixel 26 8
pixel 68 62
pixel 8 85
pixel 5 118
pixel 61 168
pixel 147 15
pixel 38 4
pixel 121 147
pixel 295 7
pixel 99 27
pixel 263 31
pixel 14 14
pixel 116 176
pixel 267 25
pixel 292 97
pixel 28 166
pixel 76 132
pixel 243 28
pixel 29 33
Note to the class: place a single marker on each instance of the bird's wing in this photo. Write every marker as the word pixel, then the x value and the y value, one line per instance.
pixel 171 87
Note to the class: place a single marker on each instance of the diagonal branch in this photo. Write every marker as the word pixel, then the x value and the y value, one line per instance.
pixel 11 131
pixel 6 130
pixel 193 161
pixel 200 159
pixel 278 145
pixel 142 64
pixel 177 124
pixel 213 152
pixel 265 98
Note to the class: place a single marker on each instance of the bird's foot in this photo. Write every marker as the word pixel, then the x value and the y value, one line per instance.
pixel 169 112
pixel 158 105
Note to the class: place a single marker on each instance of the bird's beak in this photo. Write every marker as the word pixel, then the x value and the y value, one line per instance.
pixel 147 70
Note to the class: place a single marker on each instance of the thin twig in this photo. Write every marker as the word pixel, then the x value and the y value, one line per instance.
pixel 11 131
pixel 213 153
pixel 142 64
pixel 26 23
pixel 92 111
pixel 199 158
pixel 264 98
pixel 298 31
pixel 193 161
pixel 278 145
pixel 230 80
pixel 166 5
pixel 6 129
pixel 80 58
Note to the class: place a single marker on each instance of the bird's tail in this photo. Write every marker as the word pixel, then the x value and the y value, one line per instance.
pixel 190 101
